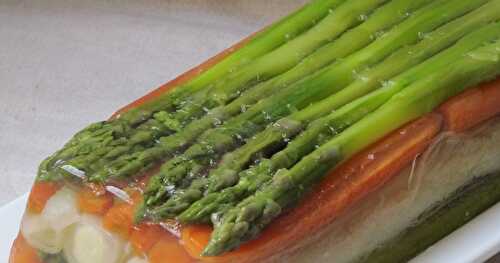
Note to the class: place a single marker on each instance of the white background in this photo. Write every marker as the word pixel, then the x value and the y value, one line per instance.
pixel 64 64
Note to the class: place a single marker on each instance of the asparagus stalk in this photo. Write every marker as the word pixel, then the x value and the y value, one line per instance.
pixel 134 161
pixel 219 96
pixel 249 217
pixel 346 15
pixel 372 78
pixel 94 136
pixel 269 39
pixel 324 128
pixel 347 43
pixel 273 63
pixel 381 19
pixel 215 142
pixel 100 143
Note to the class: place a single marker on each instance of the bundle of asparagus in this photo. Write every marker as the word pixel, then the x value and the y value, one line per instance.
pixel 239 142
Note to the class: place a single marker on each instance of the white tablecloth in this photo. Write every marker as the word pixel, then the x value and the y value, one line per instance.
pixel 64 64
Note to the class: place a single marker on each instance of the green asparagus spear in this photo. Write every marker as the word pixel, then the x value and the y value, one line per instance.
pixel 324 128
pixel 271 38
pixel 217 141
pixel 95 136
pixel 100 143
pixel 347 43
pixel 131 163
pixel 267 40
pixel 381 19
pixel 346 15
pixel 249 217
pixel 273 63
pixel 326 29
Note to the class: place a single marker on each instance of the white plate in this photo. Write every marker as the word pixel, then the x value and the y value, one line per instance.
pixel 475 242
pixel 10 214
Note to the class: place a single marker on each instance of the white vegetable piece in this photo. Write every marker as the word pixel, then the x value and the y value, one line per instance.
pixel 39 234
pixel 88 242
pixel 61 209
pixel 46 231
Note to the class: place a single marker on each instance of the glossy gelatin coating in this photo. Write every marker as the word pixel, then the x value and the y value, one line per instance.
pixel 255 154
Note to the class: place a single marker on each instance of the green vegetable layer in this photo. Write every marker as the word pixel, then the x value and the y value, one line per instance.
pixel 440 221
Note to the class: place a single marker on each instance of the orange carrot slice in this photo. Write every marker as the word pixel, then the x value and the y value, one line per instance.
pixel 472 107
pixel 22 252
pixel 120 217
pixel 168 249
pixel 195 238
pixel 40 193
pixel 345 185
pixel 92 202
pixel 144 236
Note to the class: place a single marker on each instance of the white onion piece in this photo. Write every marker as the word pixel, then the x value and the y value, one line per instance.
pixel 38 233
pixel 46 231
pixel 61 209
pixel 137 260
pixel 89 242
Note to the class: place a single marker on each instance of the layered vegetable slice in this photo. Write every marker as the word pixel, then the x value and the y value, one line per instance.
pixel 304 122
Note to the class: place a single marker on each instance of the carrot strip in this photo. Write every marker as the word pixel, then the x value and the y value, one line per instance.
pixel 144 236
pixel 344 186
pixel 22 252
pixel 168 249
pixel 185 77
pixel 472 107
pixel 92 202
pixel 360 175
pixel 41 192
